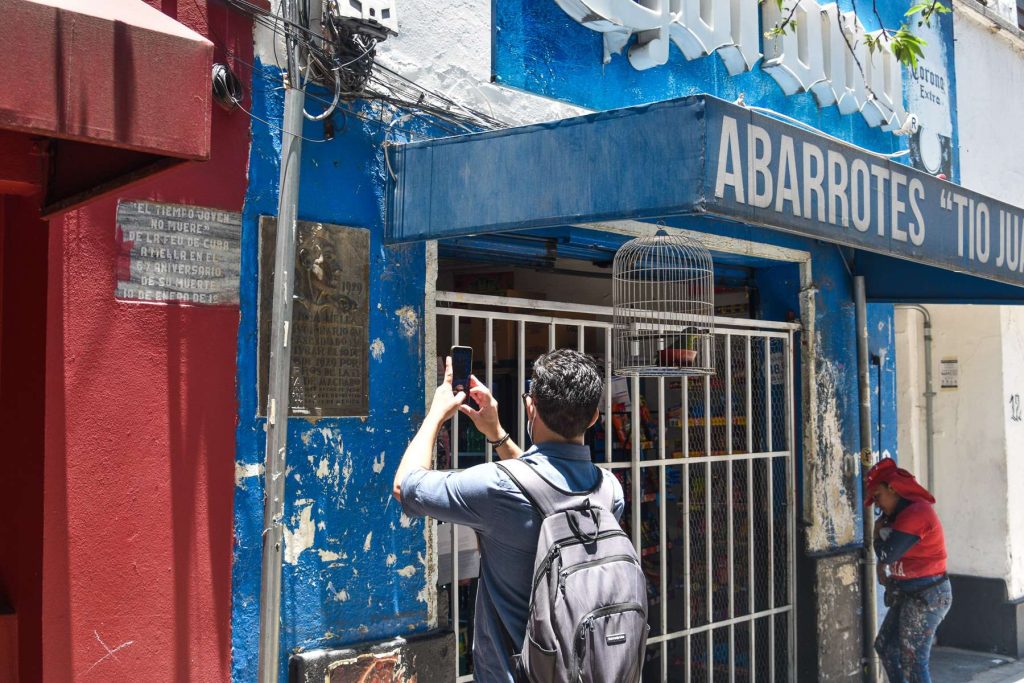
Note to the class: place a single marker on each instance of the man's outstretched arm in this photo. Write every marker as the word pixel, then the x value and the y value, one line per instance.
pixel 420 452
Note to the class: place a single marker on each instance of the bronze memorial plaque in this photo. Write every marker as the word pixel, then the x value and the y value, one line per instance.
pixel 330 319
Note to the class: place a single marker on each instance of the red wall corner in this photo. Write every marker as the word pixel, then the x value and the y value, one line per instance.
pixel 140 439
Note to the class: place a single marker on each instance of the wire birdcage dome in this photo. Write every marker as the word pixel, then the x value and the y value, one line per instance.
pixel 663 292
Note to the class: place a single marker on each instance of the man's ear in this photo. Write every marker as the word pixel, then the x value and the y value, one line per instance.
pixel 593 420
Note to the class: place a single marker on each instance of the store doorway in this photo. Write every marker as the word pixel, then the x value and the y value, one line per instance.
pixel 706 465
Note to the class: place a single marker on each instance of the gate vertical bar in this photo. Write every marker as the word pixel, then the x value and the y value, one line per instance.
pixel 791 499
pixel 521 373
pixel 727 364
pixel 687 576
pixel 608 431
pixel 751 608
pixel 635 464
pixel 769 437
pixel 769 426
pixel 662 531
pixel 709 640
pixel 489 375
pixel 279 370
pixel 453 440
pixel 453 437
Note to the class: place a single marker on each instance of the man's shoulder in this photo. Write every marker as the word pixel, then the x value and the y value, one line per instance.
pixel 488 474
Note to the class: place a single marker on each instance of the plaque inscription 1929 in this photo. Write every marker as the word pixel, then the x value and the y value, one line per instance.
pixel 330 319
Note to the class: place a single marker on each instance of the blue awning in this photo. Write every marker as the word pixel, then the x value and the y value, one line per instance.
pixel 700 156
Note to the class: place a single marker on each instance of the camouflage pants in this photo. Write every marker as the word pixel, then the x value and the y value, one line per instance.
pixel 904 642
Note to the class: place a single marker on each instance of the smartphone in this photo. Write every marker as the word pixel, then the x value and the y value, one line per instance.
pixel 462 367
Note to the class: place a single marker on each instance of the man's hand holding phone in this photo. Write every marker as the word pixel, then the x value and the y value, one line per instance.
pixel 446 400
pixel 486 418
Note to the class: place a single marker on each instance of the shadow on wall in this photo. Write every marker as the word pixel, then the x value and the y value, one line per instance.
pixel 23 255
pixel 202 402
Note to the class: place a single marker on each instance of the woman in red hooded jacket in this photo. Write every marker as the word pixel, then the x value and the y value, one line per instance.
pixel 911 550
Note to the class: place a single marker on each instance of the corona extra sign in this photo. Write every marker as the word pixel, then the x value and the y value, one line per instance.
pixel 814 56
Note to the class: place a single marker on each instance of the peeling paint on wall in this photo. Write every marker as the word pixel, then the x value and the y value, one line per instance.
pixel 847 575
pixel 833 518
pixel 377 349
pixel 410 324
pixel 301 536
pixel 246 471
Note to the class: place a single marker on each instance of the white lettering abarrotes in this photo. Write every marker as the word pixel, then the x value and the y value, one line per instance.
pixel 813 56
pixel 824 186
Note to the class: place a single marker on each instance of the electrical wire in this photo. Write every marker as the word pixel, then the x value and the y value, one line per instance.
pixel 262 74
pixel 274 126
pixel 349 57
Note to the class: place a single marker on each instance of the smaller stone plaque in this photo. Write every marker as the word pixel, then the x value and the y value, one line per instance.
pixel 330 319
pixel 174 253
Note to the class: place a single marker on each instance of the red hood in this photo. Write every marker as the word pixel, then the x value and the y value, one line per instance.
pixel 899 480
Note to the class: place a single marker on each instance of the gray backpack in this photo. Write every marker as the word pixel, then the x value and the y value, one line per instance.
pixel 588 606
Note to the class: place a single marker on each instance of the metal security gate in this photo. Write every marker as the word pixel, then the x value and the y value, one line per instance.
pixel 706 466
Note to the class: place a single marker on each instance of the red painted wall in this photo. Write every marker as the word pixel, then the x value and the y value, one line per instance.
pixel 23 240
pixel 140 420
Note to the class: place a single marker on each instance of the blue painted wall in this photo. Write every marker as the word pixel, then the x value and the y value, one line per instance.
pixel 539 48
pixel 362 578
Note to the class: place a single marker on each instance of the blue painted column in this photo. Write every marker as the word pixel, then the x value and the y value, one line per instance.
pixel 354 565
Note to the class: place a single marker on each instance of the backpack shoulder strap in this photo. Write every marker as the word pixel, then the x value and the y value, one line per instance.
pixel 604 497
pixel 548 498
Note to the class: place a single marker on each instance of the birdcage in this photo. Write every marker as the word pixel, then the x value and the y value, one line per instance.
pixel 663 292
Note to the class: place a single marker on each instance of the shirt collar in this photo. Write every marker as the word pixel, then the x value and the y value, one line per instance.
pixel 562 451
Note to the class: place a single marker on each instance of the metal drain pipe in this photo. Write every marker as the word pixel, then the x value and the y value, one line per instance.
pixel 869 562
pixel 929 393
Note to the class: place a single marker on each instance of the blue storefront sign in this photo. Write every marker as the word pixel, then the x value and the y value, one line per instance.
pixel 765 172
pixel 699 156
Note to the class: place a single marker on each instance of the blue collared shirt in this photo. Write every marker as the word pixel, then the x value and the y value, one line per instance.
pixel 507 527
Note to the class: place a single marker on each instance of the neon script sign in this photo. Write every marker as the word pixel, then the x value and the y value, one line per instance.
pixel 820 56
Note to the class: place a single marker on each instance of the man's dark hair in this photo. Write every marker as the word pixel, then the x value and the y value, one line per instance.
pixel 566 388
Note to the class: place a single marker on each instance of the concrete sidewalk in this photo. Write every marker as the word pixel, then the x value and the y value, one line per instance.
pixel 949 665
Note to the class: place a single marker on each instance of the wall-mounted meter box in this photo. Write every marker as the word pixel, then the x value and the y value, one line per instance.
pixel 376 15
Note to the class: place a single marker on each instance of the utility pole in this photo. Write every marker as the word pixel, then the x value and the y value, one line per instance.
pixel 279 399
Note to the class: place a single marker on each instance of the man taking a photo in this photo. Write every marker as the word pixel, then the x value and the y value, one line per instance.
pixel 565 392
